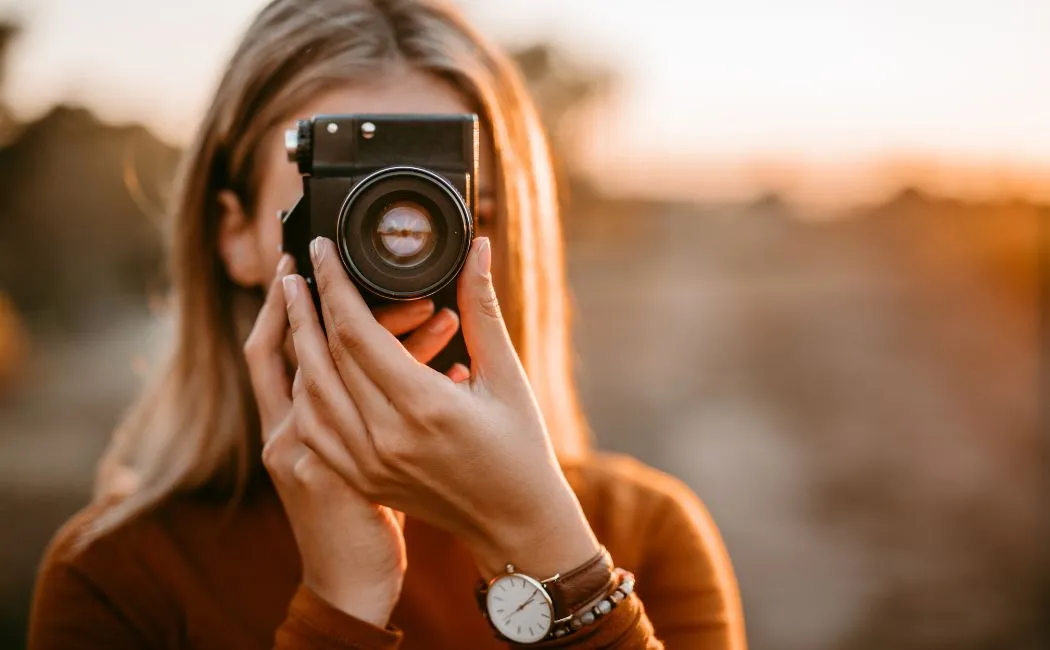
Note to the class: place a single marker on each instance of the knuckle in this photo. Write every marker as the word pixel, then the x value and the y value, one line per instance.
pixel 307 435
pixel 337 351
pixel 490 304
pixel 304 472
pixel 394 452
pixel 312 387
pixel 313 438
pixel 268 457
pixel 429 412
pixel 345 337
pixel 272 459
pixel 311 473
pixel 253 346
pixel 294 323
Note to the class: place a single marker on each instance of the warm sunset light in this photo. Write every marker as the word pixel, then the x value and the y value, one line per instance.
pixel 772 324
pixel 844 98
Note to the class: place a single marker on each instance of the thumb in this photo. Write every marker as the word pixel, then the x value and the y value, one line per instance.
pixel 492 355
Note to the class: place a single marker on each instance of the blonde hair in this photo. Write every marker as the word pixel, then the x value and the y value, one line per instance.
pixel 196 426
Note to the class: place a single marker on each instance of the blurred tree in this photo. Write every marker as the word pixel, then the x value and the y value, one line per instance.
pixel 75 236
pixel 76 232
pixel 564 90
pixel 9 31
pixel 12 344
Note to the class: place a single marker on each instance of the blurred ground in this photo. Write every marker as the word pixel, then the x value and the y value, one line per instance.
pixel 854 400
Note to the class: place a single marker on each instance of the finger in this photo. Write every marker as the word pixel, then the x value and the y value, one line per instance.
pixel 401 318
pixel 425 343
pixel 374 365
pixel 264 352
pixel 314 434
pixel 397 516
pixel 281 451
pixel 492 354
pixel 368 397
pixel 458 373
pixel 317 378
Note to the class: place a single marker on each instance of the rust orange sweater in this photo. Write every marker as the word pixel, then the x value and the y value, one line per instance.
pixel 199 574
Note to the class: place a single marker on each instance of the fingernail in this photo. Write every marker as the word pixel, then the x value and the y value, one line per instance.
pixel 291 288
pixel 458 372
pixel 317 247
pixel 285 265
pixel 484 255
pixel 443 322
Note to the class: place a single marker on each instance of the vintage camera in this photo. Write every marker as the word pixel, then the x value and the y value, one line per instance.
pixel 396 193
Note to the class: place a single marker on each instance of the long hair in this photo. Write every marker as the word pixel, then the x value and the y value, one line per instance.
pixel 195 427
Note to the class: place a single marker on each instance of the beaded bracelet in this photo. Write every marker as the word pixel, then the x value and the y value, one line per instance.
pixel 588 615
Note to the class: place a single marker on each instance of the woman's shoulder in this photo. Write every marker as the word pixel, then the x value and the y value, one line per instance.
pixel 655 526
pixel 99 549
pixel 627 490
pixel 77 543
pixel 99 577
pixel 191 556
pixel 101 535
pixel 645 516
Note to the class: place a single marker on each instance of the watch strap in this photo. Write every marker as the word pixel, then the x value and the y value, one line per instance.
pixel 581 586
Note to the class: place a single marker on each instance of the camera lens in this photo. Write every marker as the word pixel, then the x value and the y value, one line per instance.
pixel 404 233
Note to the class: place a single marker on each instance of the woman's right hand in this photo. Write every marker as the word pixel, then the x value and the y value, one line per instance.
pixel 352 551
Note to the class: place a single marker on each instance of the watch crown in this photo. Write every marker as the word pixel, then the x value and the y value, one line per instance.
pixel 510 568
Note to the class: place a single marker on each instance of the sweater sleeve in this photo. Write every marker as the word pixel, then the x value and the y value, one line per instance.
pixel 313 624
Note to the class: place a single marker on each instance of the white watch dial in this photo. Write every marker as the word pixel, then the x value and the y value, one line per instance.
pixel 520 608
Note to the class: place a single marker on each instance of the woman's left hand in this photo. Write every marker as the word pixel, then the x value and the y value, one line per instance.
pixel 472 457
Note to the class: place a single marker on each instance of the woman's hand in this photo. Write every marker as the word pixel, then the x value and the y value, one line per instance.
pixel 472 457
pixel 352 551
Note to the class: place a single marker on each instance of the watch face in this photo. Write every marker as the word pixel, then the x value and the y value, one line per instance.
pixel 519 608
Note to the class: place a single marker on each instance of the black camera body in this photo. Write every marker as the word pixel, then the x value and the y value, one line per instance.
pixel 396 193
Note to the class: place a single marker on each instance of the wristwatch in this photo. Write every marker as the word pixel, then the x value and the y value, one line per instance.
pixel 524 609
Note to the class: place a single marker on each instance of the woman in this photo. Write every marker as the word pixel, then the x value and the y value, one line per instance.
pixel 191 543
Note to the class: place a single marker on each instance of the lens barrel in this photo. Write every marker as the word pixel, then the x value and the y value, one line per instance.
pixel 403 232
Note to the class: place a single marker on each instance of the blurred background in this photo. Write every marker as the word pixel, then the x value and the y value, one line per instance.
pixel 806 241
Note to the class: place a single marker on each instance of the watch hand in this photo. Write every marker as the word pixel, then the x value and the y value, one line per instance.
pixel 520 607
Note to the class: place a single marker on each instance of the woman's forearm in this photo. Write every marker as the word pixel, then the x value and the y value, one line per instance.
pixel 554 540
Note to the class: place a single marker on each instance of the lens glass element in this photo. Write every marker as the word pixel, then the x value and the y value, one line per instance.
pixel 404 234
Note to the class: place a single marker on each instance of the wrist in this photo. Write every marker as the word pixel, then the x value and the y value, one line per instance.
pixel 555 541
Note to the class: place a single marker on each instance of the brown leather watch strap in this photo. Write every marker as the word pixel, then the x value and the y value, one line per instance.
pixel 586 583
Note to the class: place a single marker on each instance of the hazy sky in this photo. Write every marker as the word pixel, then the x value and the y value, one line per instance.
pixel 825 82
